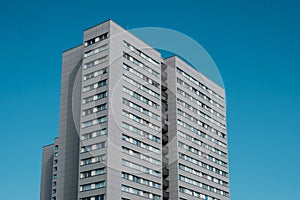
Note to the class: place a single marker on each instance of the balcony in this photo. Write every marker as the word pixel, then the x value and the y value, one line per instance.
pixel 163 67
pixel 165 128
pixel 164 105
pixel 166 184
pixel 165 139
pixel 164 117
pixel 165 161
pixel 166 195
pixel 165 150
pixel 163 76
pixel 165 172
pixel 164 85
pixel 164 96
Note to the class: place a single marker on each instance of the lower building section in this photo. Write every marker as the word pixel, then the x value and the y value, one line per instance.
pixel 47 171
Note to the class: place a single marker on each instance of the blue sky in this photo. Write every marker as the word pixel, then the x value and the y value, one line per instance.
pixel 254 43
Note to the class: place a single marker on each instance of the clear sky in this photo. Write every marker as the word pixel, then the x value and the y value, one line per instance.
pixel 254 43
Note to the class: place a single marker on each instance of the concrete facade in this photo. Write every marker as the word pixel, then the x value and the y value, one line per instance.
pixel 198 157
pixel 122 132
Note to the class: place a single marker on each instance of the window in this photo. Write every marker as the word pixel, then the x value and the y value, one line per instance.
pixel 93 160
pixel 199 103
pixel 95 74
pixel 141 87
pixel 200 133
pixel 100 184
pixel 202 185
pixel 100 107
pixel 140 132
pixel 93 147
pixel 140 156
pixel 140 144
pixel 202 154
pixel 141 109
pixel 140 97
pixel 139 192
pixel 198 83
pixel 86 187
pixel 100 95
pixel 203 115
pixel 94 122
pixel 86 174
pixel 95 109
pixel 141 76
pixel 102 119
pixel 95 62
pixel 98 197
pixel 202 175
pixel 91 173
pixel 96 39
pixel 140 53
pixel 202 144
pixel 141 168
pixel 95 51
pixel 140 120
pixel 140 64
pixel 94 134
pixel 196 194
pixel 140 180
pixel 95 85
pixel 202 164
pixel 95 97
pixel 92 186
pixel 198 93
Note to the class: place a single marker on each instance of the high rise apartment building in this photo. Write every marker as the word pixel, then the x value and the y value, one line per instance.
pixel 134 125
